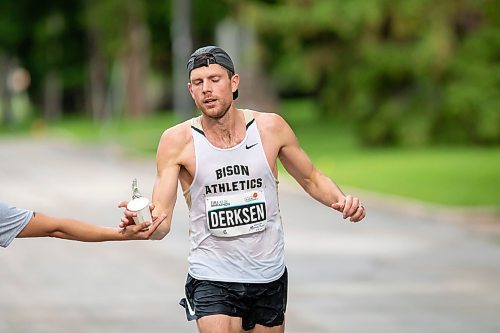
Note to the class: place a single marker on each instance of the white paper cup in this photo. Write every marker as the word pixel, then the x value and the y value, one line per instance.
pixel 141 207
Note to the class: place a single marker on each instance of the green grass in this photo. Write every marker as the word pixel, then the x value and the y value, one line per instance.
pixel 137 136
pixel 453 176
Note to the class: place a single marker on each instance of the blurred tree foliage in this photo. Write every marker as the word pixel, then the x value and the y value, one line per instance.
pixel 44 37
pixel 84 56
pixel 409 72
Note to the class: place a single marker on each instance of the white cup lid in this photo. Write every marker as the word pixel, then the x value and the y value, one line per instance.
pixel 138 204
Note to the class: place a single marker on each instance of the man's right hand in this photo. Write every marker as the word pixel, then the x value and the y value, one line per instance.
pixel 128 216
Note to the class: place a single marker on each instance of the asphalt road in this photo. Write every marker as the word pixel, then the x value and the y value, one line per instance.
pixel 394 272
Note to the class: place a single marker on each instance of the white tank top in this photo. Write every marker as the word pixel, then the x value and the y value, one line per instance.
pixel 235 231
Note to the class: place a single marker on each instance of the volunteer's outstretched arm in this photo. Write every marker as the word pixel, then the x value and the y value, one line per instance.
pixel 42 225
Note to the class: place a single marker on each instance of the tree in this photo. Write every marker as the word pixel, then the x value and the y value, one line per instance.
pixel 182 45
pixel 121 44
pixel 409 72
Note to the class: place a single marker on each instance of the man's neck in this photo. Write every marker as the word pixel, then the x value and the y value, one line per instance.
pixel 227 131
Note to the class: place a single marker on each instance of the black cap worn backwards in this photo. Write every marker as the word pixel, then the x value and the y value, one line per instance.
pixel 207 55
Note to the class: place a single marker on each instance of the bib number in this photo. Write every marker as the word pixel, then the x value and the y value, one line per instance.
pixel 236 214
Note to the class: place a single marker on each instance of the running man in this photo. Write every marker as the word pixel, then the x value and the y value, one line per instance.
pixel 18 222
pixel 226 163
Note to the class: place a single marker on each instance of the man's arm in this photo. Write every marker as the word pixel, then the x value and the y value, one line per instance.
pixel 168 164
pixel 314 182
pixel 42 225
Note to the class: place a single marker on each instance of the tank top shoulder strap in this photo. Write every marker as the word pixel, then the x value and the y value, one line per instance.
pixel 248 116
pixel 196 125
pixel 196 122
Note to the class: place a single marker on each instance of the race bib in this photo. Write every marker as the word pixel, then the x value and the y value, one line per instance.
pixel 236 214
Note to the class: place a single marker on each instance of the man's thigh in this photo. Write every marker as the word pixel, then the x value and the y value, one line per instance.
pixel 227 324
pixel 219 324
pixel 263 329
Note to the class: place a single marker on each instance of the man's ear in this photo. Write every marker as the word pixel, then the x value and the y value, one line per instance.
pixel 189 88
pixel 235 82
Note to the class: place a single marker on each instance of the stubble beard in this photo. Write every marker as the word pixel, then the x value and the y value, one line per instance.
pixel 218 115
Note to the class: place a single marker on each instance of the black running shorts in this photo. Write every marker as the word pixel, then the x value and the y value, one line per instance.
pixel 255 303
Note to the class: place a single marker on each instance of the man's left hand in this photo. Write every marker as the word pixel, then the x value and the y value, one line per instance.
pixel 350 207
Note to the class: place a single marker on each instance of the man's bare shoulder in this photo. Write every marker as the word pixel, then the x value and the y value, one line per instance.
pixel 175 139
pixel 177 134
pixel 268 121
pixel 274 129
